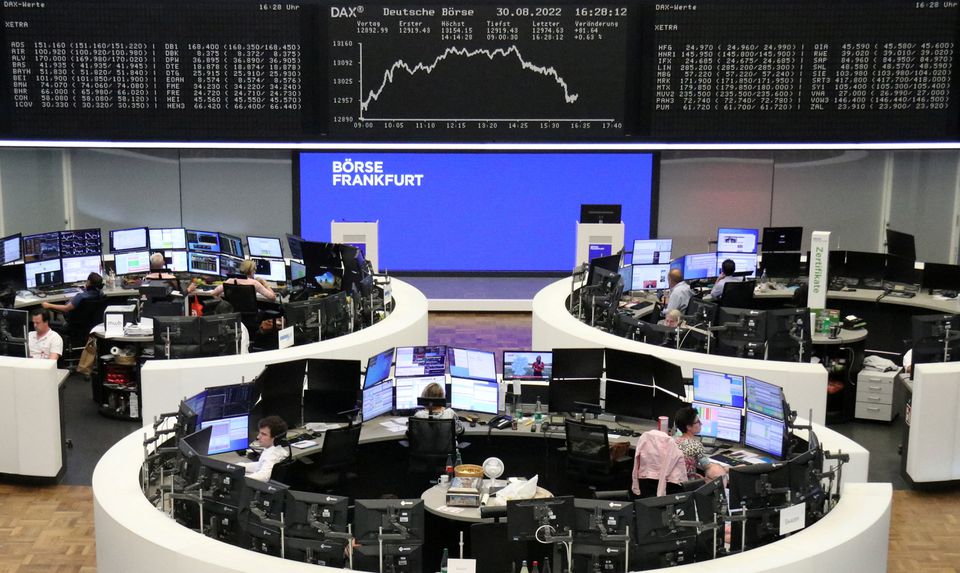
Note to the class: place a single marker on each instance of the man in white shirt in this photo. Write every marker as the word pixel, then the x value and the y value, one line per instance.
pixel 42 340
pixel 270 428
pixel 679 294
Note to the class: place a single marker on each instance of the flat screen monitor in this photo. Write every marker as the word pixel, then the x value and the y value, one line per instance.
pixel 764 398
pixel 378 368
pixel 469 363
pixel 938 276
pixel 604 214
pixel 43 273
pixel 627 399
pixel 901 244
pixel 132 262
pixel 229 401
pixel 900 270
pixel 266 247
pixel 736 240
pixel 202 263
pixel 780 239
pixel 410 388
pixel 527 365
pixel 273 270
pixel 333 374
pixel 765 434
pixel 134 239
pixel 377 400
pixel 228 434
pixel 11 249
pixel 230 266
pixel 526 518
pixel 861 265
pixel 568 395
pixel 626 276
pixel 13 276
pixel 295 242
pixel 195 404
pixel 474 395
pixel 203 241
pixel 420 361
pixel 176 261
pixel 719 422
pixel 718 388
pixel 624 366
pixel 14 332
pixel 610 263
pixel 781 265
pixel 164 239
pixel 230 245
pixel 41 247
pixel 393 515
pixel 652 251
pixel 744 262
pixel 76 269
pixel 329 405
pixel 650 277
pixel 700 266
pixel 298 271
pixel 577 363
pixel 80 243
pixel 305 510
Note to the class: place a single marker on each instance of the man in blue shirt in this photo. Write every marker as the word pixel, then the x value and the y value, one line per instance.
pixel 92 290
pixel 679 294
pixel 727 268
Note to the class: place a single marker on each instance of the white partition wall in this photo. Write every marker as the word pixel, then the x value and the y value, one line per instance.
pixel 933 449
pixel 359 233
pixel 598 234
pixel 32 443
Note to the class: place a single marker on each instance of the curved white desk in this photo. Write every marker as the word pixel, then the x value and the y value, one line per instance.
pixel 133 535
pixel 804 385
pixel 165 382
pixel 32 444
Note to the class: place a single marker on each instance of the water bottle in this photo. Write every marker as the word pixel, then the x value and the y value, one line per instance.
pixel 443 560
pixel 763 277
pixel 111 279
pixel 449 467
pixel 459 460
pixel 536 567
pixel 538 417
pixel 523 568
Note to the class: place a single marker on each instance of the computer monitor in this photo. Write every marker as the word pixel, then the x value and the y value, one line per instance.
pixel 13 277
pixel 473 395
pixel 938 276
pixel 661 539
pixel 192 408
pixel 628 399
pixel 220 334
pixel 470 363
pixel 570 395
pixel 229 400
pixel 203 263
pixel 764 398
pixel 203 241
pixel 230 245
pixel 330 405
pixel 746 263
pixel 298 272
pixel 610 263
pixel 266 247
pixel 333 374
pixel 76 269
pixel 652 251
pixel 132 262
pixel 781 265
pixel 377 400
pixel 295 242
pixel 230 266
pixel 650 277
pixel 313 515
pixel 176 337
pixel 411 387
pixel 624 366
pixel 737 240
pixel 273 270
pixel 168 239
pixel 334 315
pixel 80 243
pixel 602 214
pixel 527 365
pixel 420 361
pixel 577 363
pixel 936 338
pixel 267 500
pixel 861 265
pixel 900 270
pixel 41 247
pixel 779 239
pixel 699 266
pixel 744 332
pixel 229 434
pixel 788 330
pixel 762 489
pixel 281 388
pixel 529 519
pixel 626 276
pixel 668 376
pixel 718 388
pixel 304 317
pixel 378 368
pixel 594 519
pixel 11 249
pixel 134 239
pixel 43 274
pixel 14 331
pixel 399 516
pixel 719 422
pixel 901 244
pixel 765 434
pixel 175 261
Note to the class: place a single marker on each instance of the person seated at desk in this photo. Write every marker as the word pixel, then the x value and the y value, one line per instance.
pixel 727 268
pixel 678 295
pixel 157 267
pixel 687 421
pixel 42 340
pixel 248 268
pixel 269 429
pixel 92 290
pixel 434 390
pixel 673 318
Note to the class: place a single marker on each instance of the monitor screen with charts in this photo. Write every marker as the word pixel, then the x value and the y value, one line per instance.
pixel 176 261
pixel 378 368
pixel 76 269
pixel 229 434
pixel 80 243
pixel 652 251
pixel 266 247
pixel 11 251
pixel 527 365
pixel 765 434
pixel 733 240
pixel 420 361
pixel 411 388
pixel 719 422
pixel 377 400
pixel 474 395
pixel 203 241
pixel 699 266
pixel 230 245
pixel 230 266
pixel 163 239
pixel 273 270
pixel 41 247
pixel 131 263
pixel 745 262
pixel 467 363
pixel 203 263
pixel 43 273
pixel 650 277
pixel 718 388
pixel 128 239
pixel 764 398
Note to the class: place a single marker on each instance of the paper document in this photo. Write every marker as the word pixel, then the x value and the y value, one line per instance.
pixel 303 444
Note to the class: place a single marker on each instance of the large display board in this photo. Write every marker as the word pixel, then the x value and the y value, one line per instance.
pixel 644 71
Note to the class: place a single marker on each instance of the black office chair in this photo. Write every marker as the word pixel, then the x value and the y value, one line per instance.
pixel 80 321
pixel 338 455
pixel 738 294
pixel 588 454
pixel 488 547
pixel 430 443
pixel 243 299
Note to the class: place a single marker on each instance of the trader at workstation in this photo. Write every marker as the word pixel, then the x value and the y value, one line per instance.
pixel 678 297
pixel 157 265
pixel 92 290
pixel 687 421
pixel 269 429
pixel 248 268
pixel 434 390
pixel 727 268
pixel 42 340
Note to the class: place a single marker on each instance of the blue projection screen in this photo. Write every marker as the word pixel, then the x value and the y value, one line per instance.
pixel 473 211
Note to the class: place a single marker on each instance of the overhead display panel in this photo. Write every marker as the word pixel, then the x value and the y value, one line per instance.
pixel 309 71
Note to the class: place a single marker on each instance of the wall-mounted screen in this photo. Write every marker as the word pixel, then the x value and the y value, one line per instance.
pixel 731 240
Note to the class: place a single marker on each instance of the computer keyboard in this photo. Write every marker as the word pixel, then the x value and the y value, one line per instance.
pixel 727 460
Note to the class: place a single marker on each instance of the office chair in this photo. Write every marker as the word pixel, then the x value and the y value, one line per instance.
pixel 80 321
pixel 243 299
pixel 339 454
pixel 659 467
pixel 738 294
pixel 430 442
pixel 588 454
